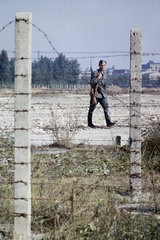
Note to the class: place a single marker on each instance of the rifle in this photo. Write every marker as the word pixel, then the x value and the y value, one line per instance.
pixel 93 97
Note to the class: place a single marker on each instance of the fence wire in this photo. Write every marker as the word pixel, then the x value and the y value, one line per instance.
pixel 72 174
pixel 80 176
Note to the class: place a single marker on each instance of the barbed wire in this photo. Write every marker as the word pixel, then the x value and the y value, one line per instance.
pixel 99 181
pixel 5 26
pixel 100 52
pixel 87 74
pixel 54 49
pixel 69 107
pixel 65 60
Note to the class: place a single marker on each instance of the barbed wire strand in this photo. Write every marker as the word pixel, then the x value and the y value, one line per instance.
pixel 48 183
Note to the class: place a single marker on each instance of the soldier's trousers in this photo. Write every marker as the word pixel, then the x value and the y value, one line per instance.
pixel 104 104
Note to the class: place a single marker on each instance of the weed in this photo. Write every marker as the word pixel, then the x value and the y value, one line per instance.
pixel 75 195
pixel 63 128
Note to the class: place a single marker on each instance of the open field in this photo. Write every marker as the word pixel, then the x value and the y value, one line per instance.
pixel 81 192
pixel 69 106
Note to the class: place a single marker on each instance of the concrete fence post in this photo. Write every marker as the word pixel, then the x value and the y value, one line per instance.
pixel 135 111
pixel 22 154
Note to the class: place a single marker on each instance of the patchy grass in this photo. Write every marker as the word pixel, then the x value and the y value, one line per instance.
pixel 151 147
pixel 76 194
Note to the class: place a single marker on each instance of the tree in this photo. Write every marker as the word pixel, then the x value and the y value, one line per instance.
pixel 4 64
pixel 65 71
pixel 10 78
pixel 42 71
pixel 60 68
pixel 75 71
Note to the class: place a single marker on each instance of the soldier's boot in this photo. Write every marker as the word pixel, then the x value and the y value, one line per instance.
pixel 108 120
pixel 90 124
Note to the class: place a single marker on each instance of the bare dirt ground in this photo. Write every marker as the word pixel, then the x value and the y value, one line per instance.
pixel 61 107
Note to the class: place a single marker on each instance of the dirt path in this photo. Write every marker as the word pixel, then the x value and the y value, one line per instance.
pixel 60 108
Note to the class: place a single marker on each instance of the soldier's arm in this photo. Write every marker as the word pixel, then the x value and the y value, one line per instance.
pixel 94 79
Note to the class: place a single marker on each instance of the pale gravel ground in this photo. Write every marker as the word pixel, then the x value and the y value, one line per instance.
pixel 76 106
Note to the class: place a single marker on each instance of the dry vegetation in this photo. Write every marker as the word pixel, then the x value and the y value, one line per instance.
pixel 76 193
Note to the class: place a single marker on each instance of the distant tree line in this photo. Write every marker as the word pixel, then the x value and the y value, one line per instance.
pixel 44 71
pixel 6 69
pixel 60 71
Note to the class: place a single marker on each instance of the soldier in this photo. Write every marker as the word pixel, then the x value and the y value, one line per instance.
pixel 98 94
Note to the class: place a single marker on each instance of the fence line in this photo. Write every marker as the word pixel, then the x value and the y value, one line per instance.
pixel 62 184
pixel 22 145
pixel 135 112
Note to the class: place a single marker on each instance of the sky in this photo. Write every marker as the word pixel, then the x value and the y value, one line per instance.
pixel 86 30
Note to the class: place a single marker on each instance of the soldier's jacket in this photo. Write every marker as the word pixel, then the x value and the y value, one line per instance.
pixel 99 85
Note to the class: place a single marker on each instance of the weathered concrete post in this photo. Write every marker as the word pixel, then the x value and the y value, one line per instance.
pixel 22 182
pixel 135 111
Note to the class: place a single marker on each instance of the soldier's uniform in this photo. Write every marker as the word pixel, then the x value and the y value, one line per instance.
pixel 99 87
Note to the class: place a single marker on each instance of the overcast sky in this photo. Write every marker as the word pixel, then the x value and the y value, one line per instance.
pixel 86 29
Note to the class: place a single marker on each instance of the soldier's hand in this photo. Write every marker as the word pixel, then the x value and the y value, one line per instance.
pixel 99 76
pixel 99 90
